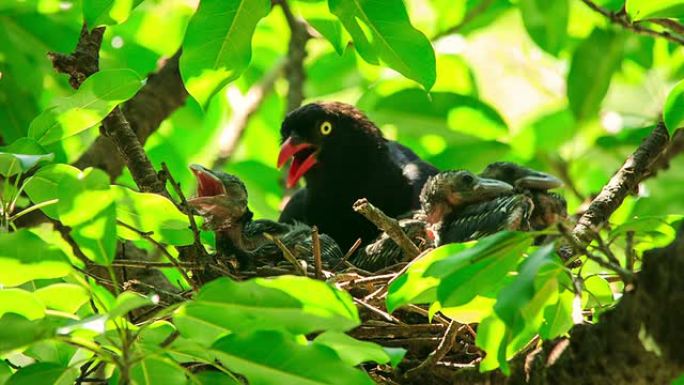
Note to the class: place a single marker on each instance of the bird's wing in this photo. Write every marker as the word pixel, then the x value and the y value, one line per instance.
pixel 414 169
pixel 295 209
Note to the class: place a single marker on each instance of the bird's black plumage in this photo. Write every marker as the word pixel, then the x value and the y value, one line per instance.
pixel 343 157
pixel 222 201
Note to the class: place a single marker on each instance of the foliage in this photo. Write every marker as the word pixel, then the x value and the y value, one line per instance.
pixel 551 84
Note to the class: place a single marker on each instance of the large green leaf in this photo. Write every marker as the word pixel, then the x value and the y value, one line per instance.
pixel 650 9
pixel 107 12
pixel 272 357
pixel 593 64
pixel 21 156
pixel 17 331
pixel 151 213
pixel 546 22
pixel 558 318
pixel 44 185
pixel 296 304
pixel 97 97
pixel 129 301
pixel 66 297
pixel 157 370
pixel 44 373
pixel 673 112
pixel 218 44
pixel 413 286
pixel 87 206
pixel 355 352
pixel 383 29
pixel 21 302
pixel 25 257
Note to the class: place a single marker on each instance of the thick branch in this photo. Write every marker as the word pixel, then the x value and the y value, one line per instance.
pixel 84 61
pixel 294 71
pixel 622 184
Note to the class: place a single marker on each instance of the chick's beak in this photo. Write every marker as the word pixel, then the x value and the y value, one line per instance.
pixel 486 187
pixel 303 158
pixel 208 184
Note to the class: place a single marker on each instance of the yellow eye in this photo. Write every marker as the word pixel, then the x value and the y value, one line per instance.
pixel 326 128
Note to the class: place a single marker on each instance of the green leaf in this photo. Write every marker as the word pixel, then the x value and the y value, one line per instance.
pixel 598 292
pixel 478 269
pixel 5 372
pixel 107 12
pixel 157 370
pixel 21 156
pixel 383 29
pixel 593 64
pixel 44 185
pixel 272 357
pixel 129 301
pixel 218 44
pixel 490 336
pixel 151 213
pixel 558 317
pixel 296 304
pixel 87 206
pixel 97 97
pixel 673 112
pixel 645 9
pixel 24 257
pixel 21 302
pixel 66 297
pixel 44 373
pixel 17 331
pixel 474 311
pixel 413 286
pixel 354 352
pixel 546 23
pixel 331 30
pixel 208 377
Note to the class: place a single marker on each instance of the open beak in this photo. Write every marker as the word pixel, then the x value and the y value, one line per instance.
pixel 303 158
pixel 208 184
pixel 486 188
pixel 540 181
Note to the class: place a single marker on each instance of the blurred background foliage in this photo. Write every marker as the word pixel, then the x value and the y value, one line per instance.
pixel 551 84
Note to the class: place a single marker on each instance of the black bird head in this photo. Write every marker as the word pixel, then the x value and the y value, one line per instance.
pixel 327 135
pixel 221 198
pixel 521 177
pixel 444 192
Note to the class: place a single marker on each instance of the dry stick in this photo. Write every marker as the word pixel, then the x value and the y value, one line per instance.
pixel 622 19
pixel 388 225
pixel 234 130
pixel 621 184
pixel 148 237
pixel 442 349
pixel 348 254
pixel 148 264
pixel 316 250
pixel 287 254
pixel 383 314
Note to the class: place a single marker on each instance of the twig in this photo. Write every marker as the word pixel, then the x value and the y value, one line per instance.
pixel 150 264
pixel 348 254
pixel 443 348
pixel 316 250
pixel 561 166
pixel 630 253
pixel 287 254
pixel 605 249
pixel 388 225
pixel 234 130
pixel 148 237
pixel 621 18
pixel 65 232
pixel 469 17
pixel 621 184
pixel 670 24
pixel 386 316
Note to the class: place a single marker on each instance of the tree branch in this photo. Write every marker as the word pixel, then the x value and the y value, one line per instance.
pixel 621 184
pixel 388 225
pixel 294 71
pixel 621 18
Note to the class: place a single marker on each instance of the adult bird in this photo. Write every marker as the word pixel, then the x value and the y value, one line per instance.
pixel 461 206
pixel 343 157
pixel 222 201
pixel 549 207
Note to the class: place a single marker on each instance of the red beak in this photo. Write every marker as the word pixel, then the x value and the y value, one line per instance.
pixel 299 165
pixel 207 183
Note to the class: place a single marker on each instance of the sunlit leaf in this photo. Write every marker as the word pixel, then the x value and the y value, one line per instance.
pixel 645 9
pixel 546 22
pixel 43 185
pixel 558 317
pixel 129 301
pixel 299 305
pixel 383 29
pixel 272 357
pixel 97 97
pixel 44 373
pixel 21 156
pixel 673 112
pixel 474 311
pixel 21 302
pixel 107 12
pixel 598 291
pixel 156 370
pixel 66 297
pixel 151 213
pixel 25 257
pixel 218 44
pixel 354 352
pixel 209 377
pixel 593 64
